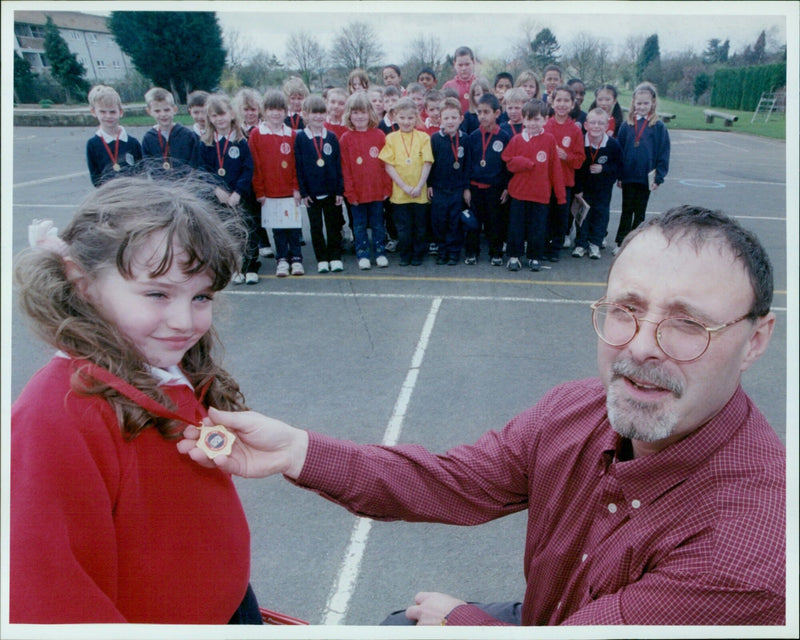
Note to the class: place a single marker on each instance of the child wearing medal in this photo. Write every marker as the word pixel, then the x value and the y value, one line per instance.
pixel 225 155
pixel 605 97
pixel 108 524
pixel 407 157
pixel 169 144
pixel 366 183
pixel 111 151
pixel 319 178
pixel 449 183
pixel 514 99
pixel 645 158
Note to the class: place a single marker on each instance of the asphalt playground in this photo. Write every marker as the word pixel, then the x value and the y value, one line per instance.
pixel 434 355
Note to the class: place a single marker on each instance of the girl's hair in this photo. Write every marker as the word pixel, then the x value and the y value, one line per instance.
pixel 314 104
pixel 483 83
pixel 247 97
pixel 616 112
pixel 107 232
pixel 295 85
pixel 217 103
pixel 361 75
pixel 274 99
pixel 528 76
pixel 359 102
pixel 652 117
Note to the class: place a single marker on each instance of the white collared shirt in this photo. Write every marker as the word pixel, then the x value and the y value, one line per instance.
pixel 171 376
pixel 123 135
pixel 587 143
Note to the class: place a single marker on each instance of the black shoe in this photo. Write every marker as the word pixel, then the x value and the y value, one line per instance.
pixel 553 257
pixel 453 261
pixel 441 260
pixel 416 262
pixel 404 262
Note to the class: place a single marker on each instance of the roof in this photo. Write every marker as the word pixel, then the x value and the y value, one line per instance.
pixel 65 20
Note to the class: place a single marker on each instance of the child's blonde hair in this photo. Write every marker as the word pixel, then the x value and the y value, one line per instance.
pixel 314 104
pixel 517 95
pixel 108 231
pixel 528 76
pixel 598 111
pixel 295 85
pixel 335 91
pixel 361 75
pixel 246 97
pixel 359 102
pixel 652 117
pixel 157 94
pixel 404 104
pixel 104 96
pixel 215 104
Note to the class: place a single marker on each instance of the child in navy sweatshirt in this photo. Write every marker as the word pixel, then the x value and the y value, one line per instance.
pixel 111 151
pixel 319 177
pixel 170 144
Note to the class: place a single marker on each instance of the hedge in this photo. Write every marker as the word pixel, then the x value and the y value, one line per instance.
pixel 741 88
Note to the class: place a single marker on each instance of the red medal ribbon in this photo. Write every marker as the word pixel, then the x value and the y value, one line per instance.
pixel 317 148
pixel 405 146
pixel 295 120
pixel 485 142
pixel 221 156
pixel 454 147
pixel 639 131
pixel 164 150
pixel 108 149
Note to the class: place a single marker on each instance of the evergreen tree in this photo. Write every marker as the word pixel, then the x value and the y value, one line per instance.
pixel 64 65
pixel 178 50
pixel 24 80
pixel 759 48
pixel 648 56
pixel 545 48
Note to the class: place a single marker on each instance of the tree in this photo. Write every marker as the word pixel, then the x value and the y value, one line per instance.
pixel 178 50
pixel 24 80
pixel 588 56
pixel 423 51
pixel 305 54
pixel 759 48
pixel 648 64
pixel 64 65
pixel 702 83
pixel 262 71
pixel 356 46
pixel 545 48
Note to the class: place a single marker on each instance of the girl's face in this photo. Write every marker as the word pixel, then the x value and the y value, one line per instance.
pixel 355 85
pixel 162 316
pixel 315 120
pixel 359 120
pixel 390 77
pixel 406 119
pixel 643 104
pixel 274 118
pixel 562 104
pixel 580 93
pixel 377 103
pixel 221 121
pixel 530 88
pixel 475 93
pixel 335 106
pixel 296 102
pixel 250 114
pixel 605 100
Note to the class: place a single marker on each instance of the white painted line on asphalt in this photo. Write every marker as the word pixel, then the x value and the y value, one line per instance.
pixel 339 598
pixel 67 176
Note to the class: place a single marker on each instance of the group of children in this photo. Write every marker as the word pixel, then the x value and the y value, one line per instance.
pixel 419 170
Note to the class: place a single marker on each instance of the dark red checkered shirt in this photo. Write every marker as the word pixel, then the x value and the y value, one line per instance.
pixel 692 535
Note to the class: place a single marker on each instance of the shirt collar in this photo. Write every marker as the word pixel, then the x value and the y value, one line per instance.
pixel 602 144
pixel 168 377
pixel 311 134
pixel 123 135
pixel 527 137
pixel 265 130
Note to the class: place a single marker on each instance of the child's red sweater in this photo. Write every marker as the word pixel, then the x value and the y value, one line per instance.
pixel 568 136
pixel 365 180
pixel 535 168
pixel 274 172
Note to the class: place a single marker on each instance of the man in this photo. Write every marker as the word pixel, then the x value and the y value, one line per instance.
pixel 656 493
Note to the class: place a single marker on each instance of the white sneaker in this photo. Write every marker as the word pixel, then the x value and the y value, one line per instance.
pixel 382 261
pixel 615 251
pixel 578 252
pixel 391 246
pixel 567 242
pixel 251 277
pixel 297 269
pixel 238 278
pixel 364 264
pixel 323 267
pixel 603 244
pixel 336 265
pixel 266 252
pixel 282 269
pixel 594 251
pixel 513 264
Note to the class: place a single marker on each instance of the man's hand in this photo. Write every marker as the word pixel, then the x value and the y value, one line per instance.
pixel 432 607
pixel 264 446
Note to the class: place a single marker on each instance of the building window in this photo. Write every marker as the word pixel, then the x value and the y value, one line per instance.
pixel 37 31
pixel 75 35
pixel 116 64
pixel 93 37
pixel 101 64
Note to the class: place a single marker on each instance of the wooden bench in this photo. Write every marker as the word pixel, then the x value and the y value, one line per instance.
pixel 728 117
pixel 665 117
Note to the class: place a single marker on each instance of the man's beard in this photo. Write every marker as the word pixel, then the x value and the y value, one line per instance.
pixel 641 420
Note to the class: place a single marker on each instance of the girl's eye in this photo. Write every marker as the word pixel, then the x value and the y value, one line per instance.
pixel 204 297
pixel 156 294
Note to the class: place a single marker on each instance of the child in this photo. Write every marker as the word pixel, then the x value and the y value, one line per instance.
pixel 375 95
pixel 358 80
pixel 319 176
pixel 594 182
pixel 335 102
pixel 449 183
pixel 488 182
pixel 296 91
pixel 527 80
pixel 408 158
pixel 416 92
pixel 225 155
pixel 427 78
pixel 196 103
pixel 552 78
pixel 579 90
pixel 433 109
pixel 464 68
pixel 169 143
pixel 569 146
pixel 514 100
pixel 247 105
pixel 107 522
pixel 479 88
pixel 645 158
pixel 366 183
pixel 110 151
pixel 532 158
pixel 390 97
pixel 392 77
pixel 275 177
pixel 605 97
pixel 503 82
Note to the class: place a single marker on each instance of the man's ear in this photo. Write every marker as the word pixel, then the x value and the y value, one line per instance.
pixel 759 341
pixel 77 277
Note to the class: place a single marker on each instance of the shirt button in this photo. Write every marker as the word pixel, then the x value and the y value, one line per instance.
pixel 636 504
pixel 612 508
pixel 585 555
pixel 558 606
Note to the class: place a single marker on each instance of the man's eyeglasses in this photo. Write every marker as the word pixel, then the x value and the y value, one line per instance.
pixel 681 338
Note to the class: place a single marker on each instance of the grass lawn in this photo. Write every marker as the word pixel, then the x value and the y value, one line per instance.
pixel 691 117
pixel 143 121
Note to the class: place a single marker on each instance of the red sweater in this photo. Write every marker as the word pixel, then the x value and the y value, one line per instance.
pixel 462 86
pixel 570 138
pixel 109 530
pixel 537 171
pixel 274 172
pixel 367 180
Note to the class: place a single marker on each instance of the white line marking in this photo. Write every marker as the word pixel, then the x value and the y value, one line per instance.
pixel 32 183
pixel 339 599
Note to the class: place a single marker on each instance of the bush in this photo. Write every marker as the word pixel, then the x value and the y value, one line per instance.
pixel 741 88
pixel 46 103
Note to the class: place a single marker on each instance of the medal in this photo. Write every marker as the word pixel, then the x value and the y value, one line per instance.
pixel 320 163
pixel 215 441
pixel 466 96
pixel 116 167
pixel 166 165
pixel 483 163
pixel 359 160
pixel 221 171
pixel 405 146
pixel 408 160
pixel 113 156
pixel 221 155
pixel 319 149
pixel 454 147
pixel 456 165
pixel 284 164
pixel 164 149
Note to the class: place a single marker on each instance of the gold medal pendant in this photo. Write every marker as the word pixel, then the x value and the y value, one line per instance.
pixel 483 163
pixel 284 164
pixel 456 165
pixel 166 165
pixel 359 160
pixel 320 163
pixel 221 171
pixel 215 441
pixel 116 167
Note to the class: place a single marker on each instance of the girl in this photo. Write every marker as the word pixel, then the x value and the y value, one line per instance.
pixel 392 77
pixel 527 80
pixel 108 524
pixel 376 100
pixel 579 89
pixel 366 183
pixel 408 157
pixel 645 158
pixel 226 156
pixel 477 89
pixel 358 80
pixel 605 97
